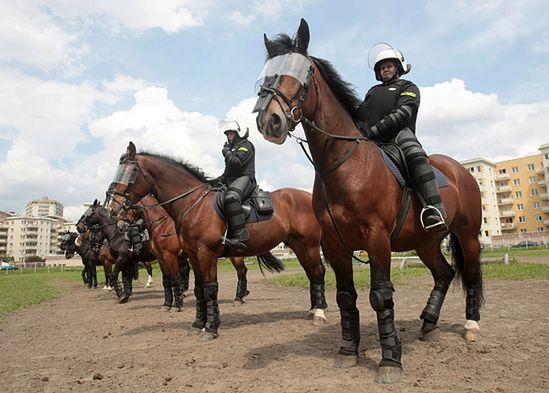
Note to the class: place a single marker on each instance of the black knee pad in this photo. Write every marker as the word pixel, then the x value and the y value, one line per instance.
pixel 346 300
pixel 381 295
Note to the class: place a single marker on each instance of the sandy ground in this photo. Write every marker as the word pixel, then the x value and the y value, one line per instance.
pixel 85 342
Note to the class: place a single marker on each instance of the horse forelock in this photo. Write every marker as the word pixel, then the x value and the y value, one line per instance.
pixel 178 163
pixel 282 44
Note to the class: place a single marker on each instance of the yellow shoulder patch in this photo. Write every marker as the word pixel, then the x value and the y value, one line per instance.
pixel 408 93
pixel 242 148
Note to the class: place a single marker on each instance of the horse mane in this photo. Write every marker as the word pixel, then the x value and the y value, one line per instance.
pixel 344 91
pixel 192 169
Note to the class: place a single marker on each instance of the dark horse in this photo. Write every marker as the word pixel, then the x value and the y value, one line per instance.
pixel 356 199
pixel 188 199
pixel 88 249
pixel 164 240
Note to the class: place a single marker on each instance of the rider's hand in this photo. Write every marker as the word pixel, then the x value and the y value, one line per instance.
pixel 226 150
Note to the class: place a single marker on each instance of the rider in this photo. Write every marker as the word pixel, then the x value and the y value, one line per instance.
pixel 390 110
pixel 239 177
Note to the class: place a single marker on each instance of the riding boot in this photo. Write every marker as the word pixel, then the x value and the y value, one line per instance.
pixel 237 221
pixel 433 213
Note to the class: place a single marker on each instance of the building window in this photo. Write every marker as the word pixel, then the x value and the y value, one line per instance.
pixel 532 179
pixel 537 205
pixel 516 182
pixel 523 230
pixel 520 206
pixel 478 169
pixel 530 167
pixel 546 156
pixel 540 229
pixel 538 218
pixel 472 169
pixel 522 219
pixel 485 220
pixel 514 169
pixel 486 233
pixel 534 192
pixel 502 171
pixel 518 194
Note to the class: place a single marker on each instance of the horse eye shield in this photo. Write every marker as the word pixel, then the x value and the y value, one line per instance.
pixel 125 174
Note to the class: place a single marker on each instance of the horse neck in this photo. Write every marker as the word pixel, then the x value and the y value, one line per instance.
pixel 109 228
pixel 169 182
pixel 331 117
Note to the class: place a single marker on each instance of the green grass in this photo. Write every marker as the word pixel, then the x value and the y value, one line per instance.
pixel 491 271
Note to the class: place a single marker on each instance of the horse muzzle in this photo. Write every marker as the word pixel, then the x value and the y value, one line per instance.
pixel 273 125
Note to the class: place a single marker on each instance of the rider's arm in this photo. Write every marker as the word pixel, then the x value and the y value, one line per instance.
pixel 238 158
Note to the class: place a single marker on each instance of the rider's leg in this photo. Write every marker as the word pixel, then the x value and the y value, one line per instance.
pixel 423 177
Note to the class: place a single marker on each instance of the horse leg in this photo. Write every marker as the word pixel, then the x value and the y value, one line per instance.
pixel 113 279
pixel 381 300
pixel 200 318
pixel 242 286
pixel 94 276
pixel 443 274
pixel 184 272
pixel 213 319
pixel 127 277
pixel 148 267
pixel 466 252
pixel 168 295
pixel 83 274
pixel 176 290
pixel 309 258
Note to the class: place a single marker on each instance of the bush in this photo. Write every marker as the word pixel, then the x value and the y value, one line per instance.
pixel 34 258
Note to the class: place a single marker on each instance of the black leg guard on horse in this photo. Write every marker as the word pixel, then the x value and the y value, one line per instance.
pixel 423 177
pixel 168 295
pixel 241 289
pixel 184 279
pixel 318 299
pixel 472 307
pixel 213 319
pixel 350 322
pixel 176 290
pixel 381 299
pixel 200 319
pixel 431 312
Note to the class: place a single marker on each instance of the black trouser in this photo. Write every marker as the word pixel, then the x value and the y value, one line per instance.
pixel 239 189
pixel 422 174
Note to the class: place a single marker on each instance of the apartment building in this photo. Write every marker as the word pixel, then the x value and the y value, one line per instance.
pixel 31 236
pixel 484 172
pixel 44 207
pixel 514 194
pixel 4 232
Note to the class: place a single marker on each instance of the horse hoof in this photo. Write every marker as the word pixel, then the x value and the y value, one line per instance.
pixel 184 294
pixel 346 361
pixel 175 309
pixel 238 302
pixel 319 321
pixel 208 336
pixel 123 299
pixel 165 308
pixel 472 331
pixel 193 331
pixel 431 335
pixel 388 374
pixel 318 317
pixel 148 285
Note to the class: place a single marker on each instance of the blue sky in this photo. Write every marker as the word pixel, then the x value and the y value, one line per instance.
pixel 80 79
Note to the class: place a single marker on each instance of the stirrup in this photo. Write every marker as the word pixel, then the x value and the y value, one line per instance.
pixel 437 226
pixel 233 243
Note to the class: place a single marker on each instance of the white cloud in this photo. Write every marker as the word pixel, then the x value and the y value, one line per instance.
pixel 465 124
pixel 124 84
pixel 30 36
pixel 241 20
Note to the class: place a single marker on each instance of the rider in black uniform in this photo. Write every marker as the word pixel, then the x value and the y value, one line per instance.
pixel 390 110
pixel 239 177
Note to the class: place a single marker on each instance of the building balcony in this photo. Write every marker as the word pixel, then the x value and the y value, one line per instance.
pixel 508 226
pixel 544 196
pixel 502 189
pixel 546 223
pixel 545 209
pixel 505 201
pixel 507 213
pixel 504 176
pixel 540 170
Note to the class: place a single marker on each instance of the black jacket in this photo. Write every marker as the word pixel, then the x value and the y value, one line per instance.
pixel 239 160
pixel 384 99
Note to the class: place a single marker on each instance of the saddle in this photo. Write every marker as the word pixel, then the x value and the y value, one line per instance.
pixel 396 162
pixel 258 207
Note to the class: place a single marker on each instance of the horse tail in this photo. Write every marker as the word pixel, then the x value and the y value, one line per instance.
pixel 270 262
pixel 470 274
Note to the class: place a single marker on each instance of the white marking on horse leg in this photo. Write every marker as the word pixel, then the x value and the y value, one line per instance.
pixel 149 281
pixel 319 318
pixel 472 330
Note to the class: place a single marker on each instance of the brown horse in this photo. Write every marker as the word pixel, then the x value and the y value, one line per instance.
pixel 188 198
pixel 164 240
pixel 356 198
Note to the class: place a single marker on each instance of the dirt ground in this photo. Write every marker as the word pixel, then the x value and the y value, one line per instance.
pixel 85 342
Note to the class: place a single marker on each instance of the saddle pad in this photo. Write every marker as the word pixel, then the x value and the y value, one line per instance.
pixel 254 216
pixel 441 179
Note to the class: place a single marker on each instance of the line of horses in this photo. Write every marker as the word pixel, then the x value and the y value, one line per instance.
pixel 354 206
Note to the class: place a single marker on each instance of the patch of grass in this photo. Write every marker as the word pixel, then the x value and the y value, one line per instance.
pixel 491 271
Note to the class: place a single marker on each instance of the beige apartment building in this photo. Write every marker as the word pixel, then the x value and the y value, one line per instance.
pixel 44 207
pixel 30 236
pixel 514 195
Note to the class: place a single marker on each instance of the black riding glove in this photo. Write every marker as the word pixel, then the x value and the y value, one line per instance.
pixel 226 150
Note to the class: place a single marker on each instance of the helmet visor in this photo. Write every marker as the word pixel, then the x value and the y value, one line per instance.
pixel 291 64
pixel 125 174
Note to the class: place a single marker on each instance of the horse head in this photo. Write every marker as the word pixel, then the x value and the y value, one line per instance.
pixel 128 185
pixel 67 240
pixel 284 85
pixel 93 216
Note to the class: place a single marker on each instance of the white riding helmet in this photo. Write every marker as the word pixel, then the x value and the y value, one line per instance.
pixel 231 125
pixel 390 53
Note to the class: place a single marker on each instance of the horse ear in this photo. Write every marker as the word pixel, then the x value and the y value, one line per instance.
pixel 130 151
pixel 268 45
pixel 302 37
